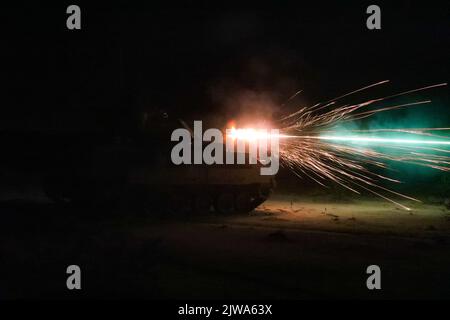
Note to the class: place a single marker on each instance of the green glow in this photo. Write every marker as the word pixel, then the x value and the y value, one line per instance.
pixel 383 140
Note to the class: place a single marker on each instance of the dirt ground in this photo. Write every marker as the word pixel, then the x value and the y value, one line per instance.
pixel 291 247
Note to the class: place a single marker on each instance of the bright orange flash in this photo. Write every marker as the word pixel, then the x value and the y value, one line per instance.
pixel 248 134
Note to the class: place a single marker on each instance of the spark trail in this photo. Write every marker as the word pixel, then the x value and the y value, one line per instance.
pixel 359 139
pixel 311 146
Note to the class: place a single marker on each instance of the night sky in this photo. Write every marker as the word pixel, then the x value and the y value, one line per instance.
pixel 196 59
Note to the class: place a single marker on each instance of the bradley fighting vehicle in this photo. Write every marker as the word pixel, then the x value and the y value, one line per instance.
pixel 140 171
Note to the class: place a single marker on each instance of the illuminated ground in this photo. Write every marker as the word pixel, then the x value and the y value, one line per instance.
pixel 290 247
pixel 371 216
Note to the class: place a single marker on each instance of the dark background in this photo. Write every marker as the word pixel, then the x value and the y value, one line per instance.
pixel 181 56
pixel 202 60
pixel 216 61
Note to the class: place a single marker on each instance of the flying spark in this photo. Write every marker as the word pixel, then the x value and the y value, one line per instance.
pixel 311 145
pixel 380 140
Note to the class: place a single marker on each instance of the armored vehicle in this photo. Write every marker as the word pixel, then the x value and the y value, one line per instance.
pixel 140 171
